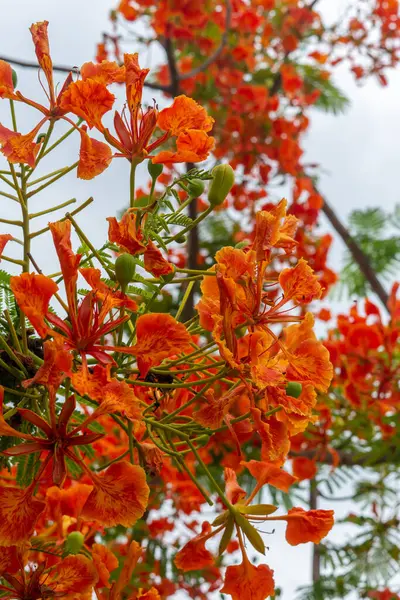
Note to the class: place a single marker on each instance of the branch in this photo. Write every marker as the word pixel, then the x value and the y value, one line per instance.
pixel 65 69
pixel 211 59
pixel 357 253
pixel 347 459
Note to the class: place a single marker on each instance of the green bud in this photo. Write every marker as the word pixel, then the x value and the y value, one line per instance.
pixel 40 138
pixel 74 543
pixel 169 277
pixel 221 184
pixel 243 244
pixel 124 269
pixel 181 239
pixel 154 170
pixel 14 78
pixel 195 188
pixel 294 389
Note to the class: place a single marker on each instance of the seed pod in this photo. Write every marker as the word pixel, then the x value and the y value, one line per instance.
pixel 154 170
pixel 195 188
pixel 221 184
pixel 74 543
pixel 124 269
pixel 294 389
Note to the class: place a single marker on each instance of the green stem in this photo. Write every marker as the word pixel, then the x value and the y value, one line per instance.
pixel 134 164
pixel 52 209
pixel 73 212
pixel 184 300
pixel 45 185
pixel 89 244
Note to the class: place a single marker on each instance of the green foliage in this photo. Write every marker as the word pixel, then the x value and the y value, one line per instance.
pixel 331 99
pixel 376 232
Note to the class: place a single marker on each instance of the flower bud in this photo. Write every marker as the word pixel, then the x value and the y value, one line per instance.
pixel 195 188
pixel 181 239
pixel 294 389
pixel 124 269
pixel 154 170
pixel 168 277
pixel 221 184
pixel 74 542
pixel 14 78
pixel 242 244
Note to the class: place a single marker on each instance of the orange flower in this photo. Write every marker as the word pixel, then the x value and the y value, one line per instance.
pixel 125 575
pixel 42 49
pixel 309 360
pixel 159 336
pixel 304 468
pixel 193 145
pixel 93 277
pixel 247 582
pixel 274 438
pixel 18 148
pixel 135 77
pixel 33 293
pixel 91 383
pixel 19 512
pixel 73 575
pixel 274 229
pixel 105 72
pixel 69 501
pixel 57 365
pixel 151 594
pixel 234 492
pixel 300 284
pixel 126 234
pixel 214 410
pixel 105 562
pixel 6 81
pixel 194 555
pixel 89 100
pixel 119 496
pixel 57 440
pixel 182 115
pixel 155 263
pixel 306 526
pixel 4 239
pixel 94 156
pixel 267 473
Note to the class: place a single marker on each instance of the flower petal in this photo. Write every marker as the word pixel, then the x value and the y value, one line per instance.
pixel 33 293
pixel 247 582
pixel 119 496
pixel 94 156
pixel 19 511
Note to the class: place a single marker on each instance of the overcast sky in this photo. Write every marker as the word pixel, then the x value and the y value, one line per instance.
pixel 358 150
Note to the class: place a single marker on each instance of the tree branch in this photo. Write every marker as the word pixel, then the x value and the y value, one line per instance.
pixel 213 57
pixel 26 64
pixel 357 253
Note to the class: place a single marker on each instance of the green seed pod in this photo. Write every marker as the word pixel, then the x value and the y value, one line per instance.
pixel 74 543
pixel 294 389
pixel 124 269
pixel 221 184
pixel 14 78
pixel 154 170
pixel 195 188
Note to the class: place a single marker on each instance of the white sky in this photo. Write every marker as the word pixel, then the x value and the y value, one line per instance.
pixel 358 150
